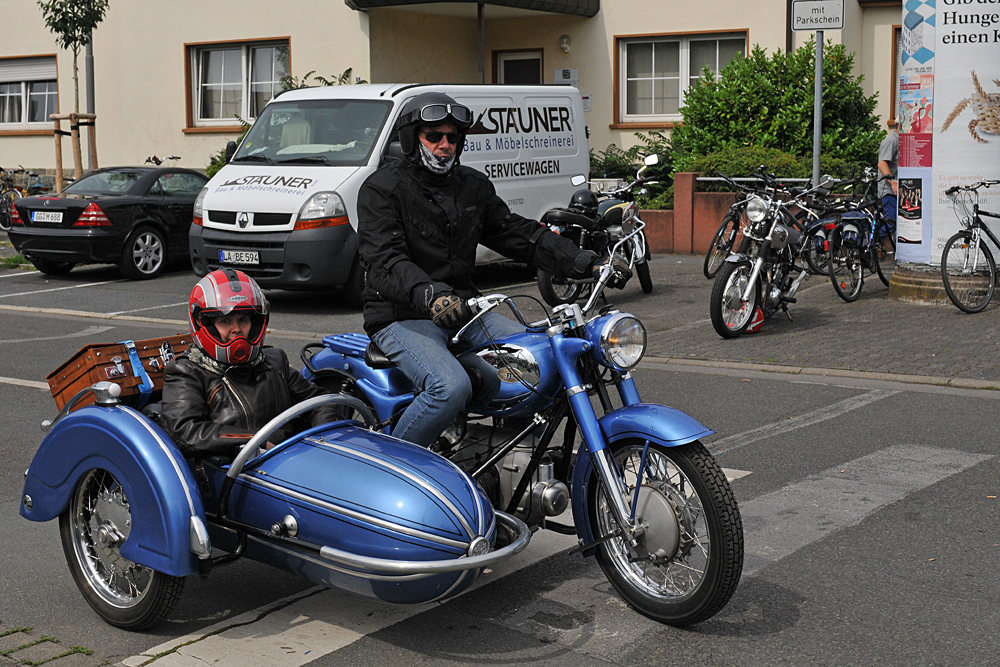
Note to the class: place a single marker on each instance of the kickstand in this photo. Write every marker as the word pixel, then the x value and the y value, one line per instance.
pixel 784 307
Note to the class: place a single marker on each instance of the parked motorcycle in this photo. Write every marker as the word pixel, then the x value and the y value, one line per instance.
pixel 771 263
pixel 648 499
pixel 599 221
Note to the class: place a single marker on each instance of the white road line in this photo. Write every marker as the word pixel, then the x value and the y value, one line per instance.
pixel 831 411
pixel 22 273
pixel 89 331
pixel 139 310
pixel 782 522
pixel 58 289
pixel 25 383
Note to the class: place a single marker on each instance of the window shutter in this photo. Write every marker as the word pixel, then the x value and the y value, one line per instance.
pixel 27 69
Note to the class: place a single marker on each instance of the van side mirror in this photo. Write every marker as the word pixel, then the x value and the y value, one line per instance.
pixel 230 151
pixel 393 152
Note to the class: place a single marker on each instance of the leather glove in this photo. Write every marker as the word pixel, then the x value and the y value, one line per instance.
pixel 621 273
pixel 450 312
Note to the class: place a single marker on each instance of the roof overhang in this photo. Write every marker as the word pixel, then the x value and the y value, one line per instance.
pixel 586 8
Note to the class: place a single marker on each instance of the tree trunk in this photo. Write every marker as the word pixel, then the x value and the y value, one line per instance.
pixel 76 82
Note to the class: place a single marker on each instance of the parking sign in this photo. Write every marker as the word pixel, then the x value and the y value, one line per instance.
pixel 815 15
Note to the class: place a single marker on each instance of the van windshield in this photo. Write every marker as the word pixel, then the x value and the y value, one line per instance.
pixel 324 132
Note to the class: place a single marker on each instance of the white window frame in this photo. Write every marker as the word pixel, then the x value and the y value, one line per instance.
pixel 246 74
pixel 684 67
pixel 22 73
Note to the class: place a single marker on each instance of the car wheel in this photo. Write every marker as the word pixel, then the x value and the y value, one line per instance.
pixel 52 267
pixel 144 255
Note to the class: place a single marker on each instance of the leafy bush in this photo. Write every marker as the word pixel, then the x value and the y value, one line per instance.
pixel 767 102
pixel 615 162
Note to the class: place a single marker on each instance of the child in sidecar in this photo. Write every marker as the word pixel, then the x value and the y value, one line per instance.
pixel 228 385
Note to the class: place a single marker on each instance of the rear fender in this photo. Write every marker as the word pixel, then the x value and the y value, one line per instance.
pixel 168 520
pixel 650 422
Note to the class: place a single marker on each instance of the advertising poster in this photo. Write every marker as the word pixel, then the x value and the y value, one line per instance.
pixel 915 115
pixel 966 128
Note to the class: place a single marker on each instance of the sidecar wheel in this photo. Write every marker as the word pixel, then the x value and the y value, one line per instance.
pixel 97 521
pixel 730 315
pixel 690 556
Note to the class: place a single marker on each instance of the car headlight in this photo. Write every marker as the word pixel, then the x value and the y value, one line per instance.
pixel 620 340
pixel 199 203
pixel 323 209
pixel 756 209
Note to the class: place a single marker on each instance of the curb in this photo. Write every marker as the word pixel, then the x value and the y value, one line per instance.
pixel 957 382
pixel 918 287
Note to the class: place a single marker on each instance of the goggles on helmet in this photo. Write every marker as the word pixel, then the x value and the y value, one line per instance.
pixel 436 114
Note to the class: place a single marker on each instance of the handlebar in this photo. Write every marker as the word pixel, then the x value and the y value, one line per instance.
pixel 970 188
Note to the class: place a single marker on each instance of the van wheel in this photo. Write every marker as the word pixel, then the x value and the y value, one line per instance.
pixel 355 284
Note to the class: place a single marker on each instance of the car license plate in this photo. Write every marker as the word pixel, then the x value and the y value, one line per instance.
pixel 46 216
pixel 239 257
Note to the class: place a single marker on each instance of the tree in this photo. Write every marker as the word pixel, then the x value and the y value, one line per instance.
pixel 72 21
pixel 767 102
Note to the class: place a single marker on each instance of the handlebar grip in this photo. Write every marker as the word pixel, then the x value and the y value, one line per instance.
pixel 952 190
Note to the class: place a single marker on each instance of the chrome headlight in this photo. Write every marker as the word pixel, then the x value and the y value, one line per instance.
pixel 619 340
pixel 756 209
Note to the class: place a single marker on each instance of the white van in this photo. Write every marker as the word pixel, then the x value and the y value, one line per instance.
pixel 284 207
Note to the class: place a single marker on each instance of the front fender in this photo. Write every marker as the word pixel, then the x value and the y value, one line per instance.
pixel 168 519
pixel 659 424
pixel 738 258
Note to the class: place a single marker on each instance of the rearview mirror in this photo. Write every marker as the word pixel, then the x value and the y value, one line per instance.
pixel 650 160
pixel 230 151
pixel 579 180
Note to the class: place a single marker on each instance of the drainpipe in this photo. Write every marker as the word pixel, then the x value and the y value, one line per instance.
pixel 481 20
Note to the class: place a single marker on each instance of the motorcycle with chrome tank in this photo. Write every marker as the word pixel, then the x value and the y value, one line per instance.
pixel 648 500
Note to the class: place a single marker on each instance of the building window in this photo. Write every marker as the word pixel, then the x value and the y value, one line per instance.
pixel 236 80
pixel 655 71
pixel 28 91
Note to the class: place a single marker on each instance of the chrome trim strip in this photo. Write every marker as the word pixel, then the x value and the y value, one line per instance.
pixel 333 568
pixel 573 391
pixel 166 450
pixel 383 565
pixel 469 530
pixel 382 523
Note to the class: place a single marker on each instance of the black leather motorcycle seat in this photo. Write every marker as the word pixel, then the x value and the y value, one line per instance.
pixel 562 218
pixel 375 358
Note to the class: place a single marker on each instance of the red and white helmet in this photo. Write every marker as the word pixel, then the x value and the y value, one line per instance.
pixel 221 293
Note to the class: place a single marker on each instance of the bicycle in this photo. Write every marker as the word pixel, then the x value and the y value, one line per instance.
pixel 862 239
pixel 968 269
pixel 8 193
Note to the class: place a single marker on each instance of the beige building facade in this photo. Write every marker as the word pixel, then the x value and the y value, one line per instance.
pixel 171 77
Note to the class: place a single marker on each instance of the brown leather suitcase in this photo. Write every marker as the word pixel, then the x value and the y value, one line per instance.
pixel 116 362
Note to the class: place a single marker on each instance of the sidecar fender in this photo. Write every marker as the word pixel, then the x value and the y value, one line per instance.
pixel 659 424
pixel 168 520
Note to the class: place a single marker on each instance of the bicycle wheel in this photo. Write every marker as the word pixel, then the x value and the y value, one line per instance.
pixel 884 252
pixel 968 272
pixel 6 201
pixel 722 244
pixel 846 269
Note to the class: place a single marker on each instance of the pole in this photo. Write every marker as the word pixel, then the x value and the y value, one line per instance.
pixel 88 66
pixel 818 107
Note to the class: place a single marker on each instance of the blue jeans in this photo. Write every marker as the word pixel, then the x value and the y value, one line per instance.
pixel 889 204
pixel 419 348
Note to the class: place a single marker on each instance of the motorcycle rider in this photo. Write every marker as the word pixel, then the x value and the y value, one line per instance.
pixel 420 219
pixel 228 384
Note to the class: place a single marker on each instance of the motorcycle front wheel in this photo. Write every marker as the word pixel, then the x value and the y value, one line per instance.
pixel 730 314
pixel 93 528
pixel 688 561
pixel 556 290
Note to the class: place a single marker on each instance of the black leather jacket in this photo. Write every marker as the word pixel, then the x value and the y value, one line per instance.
pixel 417 229
pixel 211 408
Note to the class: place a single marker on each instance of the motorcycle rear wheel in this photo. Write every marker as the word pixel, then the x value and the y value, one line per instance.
pixel 691 553
pixel 730 315
pixel 93 528
pixel 556 290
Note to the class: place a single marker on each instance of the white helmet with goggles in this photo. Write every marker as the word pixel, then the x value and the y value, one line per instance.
pixel 221 293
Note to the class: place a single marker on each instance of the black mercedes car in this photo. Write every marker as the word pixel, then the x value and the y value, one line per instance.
pixel 135 217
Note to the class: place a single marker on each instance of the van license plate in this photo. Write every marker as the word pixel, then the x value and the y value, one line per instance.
pixel 46 216
pixel 239 257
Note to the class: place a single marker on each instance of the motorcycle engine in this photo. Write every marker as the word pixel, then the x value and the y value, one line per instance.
pixel 615 233
pixel 469 445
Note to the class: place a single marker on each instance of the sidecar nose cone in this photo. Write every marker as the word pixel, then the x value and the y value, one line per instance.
pixel 479 547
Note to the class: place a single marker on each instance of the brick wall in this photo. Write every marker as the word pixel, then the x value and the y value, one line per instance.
pixel 689 228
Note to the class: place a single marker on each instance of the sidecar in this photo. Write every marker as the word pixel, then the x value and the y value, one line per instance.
pixel 338 504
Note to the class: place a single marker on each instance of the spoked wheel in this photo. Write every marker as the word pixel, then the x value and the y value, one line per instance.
pixel 968 271
pixel 6 201
pixel 722 244
pixel 556 289
pixel 846 270
pixel 689 559
pixel 93 528
pixel 730 314
pixel 884 253
pixel 816 251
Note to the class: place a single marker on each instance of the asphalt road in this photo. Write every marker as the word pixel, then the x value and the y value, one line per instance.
pixel 867 486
